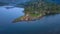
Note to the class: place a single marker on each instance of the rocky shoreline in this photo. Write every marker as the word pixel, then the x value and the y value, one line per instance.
pixel 27 17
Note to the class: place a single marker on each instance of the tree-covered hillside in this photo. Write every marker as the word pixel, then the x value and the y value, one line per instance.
pixel 41 6
pixel 36 9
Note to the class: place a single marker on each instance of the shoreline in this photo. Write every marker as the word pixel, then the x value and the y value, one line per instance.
pixel 28 17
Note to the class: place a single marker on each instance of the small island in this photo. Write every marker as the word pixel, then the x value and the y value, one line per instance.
pixel 36 9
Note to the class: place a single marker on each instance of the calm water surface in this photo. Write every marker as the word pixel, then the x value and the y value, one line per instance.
pixel 48 24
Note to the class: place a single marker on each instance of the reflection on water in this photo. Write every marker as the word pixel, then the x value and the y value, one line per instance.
pixel 46 24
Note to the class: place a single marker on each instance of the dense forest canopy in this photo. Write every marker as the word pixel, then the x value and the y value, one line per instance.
pixel 41 6
pixel 35 9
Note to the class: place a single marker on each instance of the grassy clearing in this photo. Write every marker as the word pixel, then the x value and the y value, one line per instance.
pixel 34 15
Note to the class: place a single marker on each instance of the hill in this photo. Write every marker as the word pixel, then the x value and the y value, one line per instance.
pixel 35 9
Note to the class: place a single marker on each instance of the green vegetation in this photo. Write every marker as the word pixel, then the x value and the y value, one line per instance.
pixel 38 8
pixel 34 15
pixel 18 19
pixel 42 6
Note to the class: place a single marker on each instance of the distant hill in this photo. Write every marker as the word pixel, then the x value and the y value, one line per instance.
pixel 13 2
pixel 2 3
pixel 21 3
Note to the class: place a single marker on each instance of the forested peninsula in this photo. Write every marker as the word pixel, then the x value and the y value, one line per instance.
pixel 36 9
